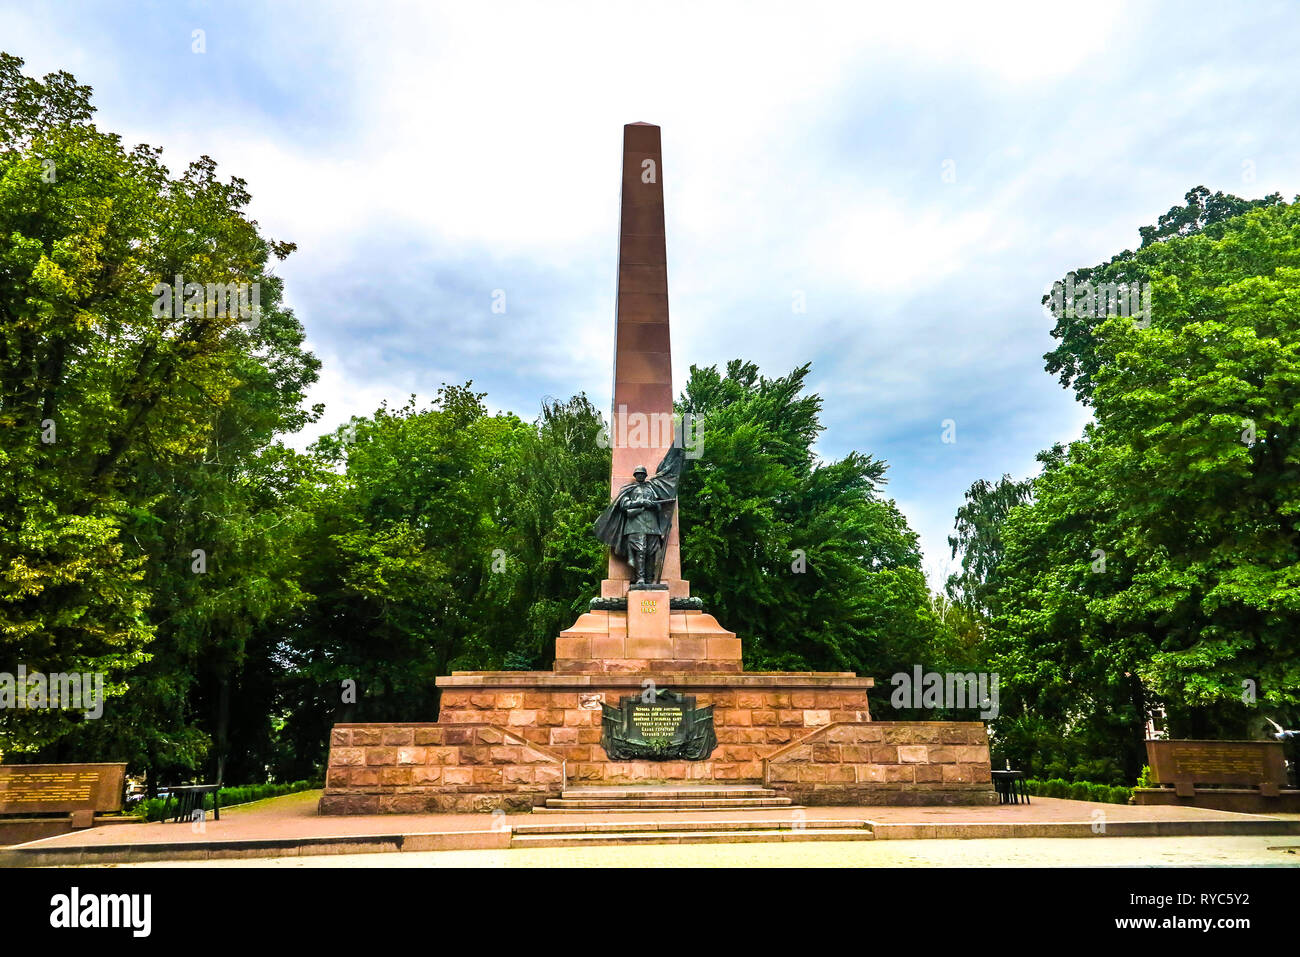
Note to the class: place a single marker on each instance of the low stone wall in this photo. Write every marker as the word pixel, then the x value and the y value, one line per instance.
pixel 1239 800
pixel 753 715
pixel 478 766
pixel 421 768
pixel 886 762
pixel 513 739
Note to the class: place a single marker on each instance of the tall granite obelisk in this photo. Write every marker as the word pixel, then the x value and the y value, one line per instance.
pixel 641 428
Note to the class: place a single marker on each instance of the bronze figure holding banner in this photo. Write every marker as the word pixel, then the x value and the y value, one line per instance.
pixel 637 522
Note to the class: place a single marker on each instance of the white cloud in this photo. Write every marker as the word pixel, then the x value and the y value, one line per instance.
pixel 444 146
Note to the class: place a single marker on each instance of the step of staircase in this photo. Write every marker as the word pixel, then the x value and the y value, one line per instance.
pixel 657 804
pixel 670 790
pixel 710 797
pixel 687 832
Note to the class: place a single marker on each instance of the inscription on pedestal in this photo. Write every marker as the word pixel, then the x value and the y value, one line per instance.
pixel 655 722
pixel 648 613
pixel 659 726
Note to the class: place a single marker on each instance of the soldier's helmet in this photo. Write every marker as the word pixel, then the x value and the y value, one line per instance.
pixel 639 470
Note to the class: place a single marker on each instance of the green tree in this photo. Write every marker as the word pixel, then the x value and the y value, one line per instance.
pixel 1158 563
pixel 136 432
pixel 399 554
pixel 803 558
pixel 977 538
pixel 118 416
pixel 1200 411
pixel 1075 360
pixel 550 563
pixel 1070 704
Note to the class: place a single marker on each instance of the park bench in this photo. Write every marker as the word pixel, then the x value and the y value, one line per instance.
pixel 188 798
pixel 1010 786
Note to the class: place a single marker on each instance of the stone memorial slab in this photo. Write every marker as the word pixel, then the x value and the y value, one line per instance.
pixel 1187 764
pixel 66 788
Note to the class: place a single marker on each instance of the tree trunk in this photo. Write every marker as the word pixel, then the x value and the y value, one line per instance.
pixel 223 725
pixel 1136 755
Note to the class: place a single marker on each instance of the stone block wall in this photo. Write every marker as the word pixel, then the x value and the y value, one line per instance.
pixel 481 766
pixel 750 723
pixel 886 762
pixel 422 768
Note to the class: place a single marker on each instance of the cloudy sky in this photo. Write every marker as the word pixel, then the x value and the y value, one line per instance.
pixel 424 155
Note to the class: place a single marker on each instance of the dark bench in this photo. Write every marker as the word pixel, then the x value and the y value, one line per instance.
pixel 189 798
pixel 1011 787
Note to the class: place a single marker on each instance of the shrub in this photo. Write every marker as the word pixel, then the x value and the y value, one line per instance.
pixel 1079 791
pixel 1098 770
pixel 154 809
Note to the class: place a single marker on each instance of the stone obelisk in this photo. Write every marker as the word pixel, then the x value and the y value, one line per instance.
pixel 641 429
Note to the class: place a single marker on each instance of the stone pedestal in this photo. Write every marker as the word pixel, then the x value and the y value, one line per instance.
pixel 647 623
pixel 886 762
pixel 510 739
pixel 753 715
pixel 618 587
pixel 601 642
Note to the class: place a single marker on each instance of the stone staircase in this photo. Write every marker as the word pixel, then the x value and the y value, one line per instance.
pixel 687 831
pixel 679 814
pixel 666 797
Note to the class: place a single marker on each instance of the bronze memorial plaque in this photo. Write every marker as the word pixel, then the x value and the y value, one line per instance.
pixel 659 726
pixel 52 788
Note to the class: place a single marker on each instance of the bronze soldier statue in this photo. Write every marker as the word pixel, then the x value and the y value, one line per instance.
pixel 637 522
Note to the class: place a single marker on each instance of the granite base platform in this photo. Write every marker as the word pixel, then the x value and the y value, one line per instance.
pixel 512 740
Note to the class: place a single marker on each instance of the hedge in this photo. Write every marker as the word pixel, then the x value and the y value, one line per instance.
pixel 152 809
pixel 1078 791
